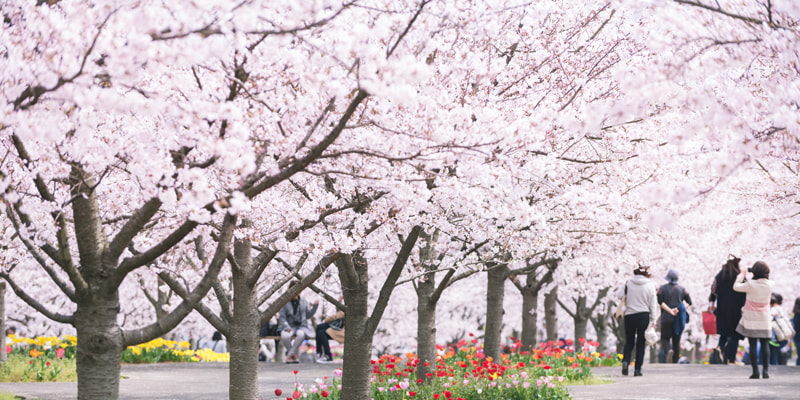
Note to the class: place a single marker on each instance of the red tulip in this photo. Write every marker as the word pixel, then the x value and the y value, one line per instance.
pixel 278 392
pixel 323 393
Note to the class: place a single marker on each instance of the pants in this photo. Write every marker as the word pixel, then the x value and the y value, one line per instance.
pixel 323 344
pixel 753 352
pixel 728 346
pixel 635 325
pixel 667 334
pixel 797 347
pixel 292 348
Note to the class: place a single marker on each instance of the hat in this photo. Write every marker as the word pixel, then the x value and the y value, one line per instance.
pixel 672 276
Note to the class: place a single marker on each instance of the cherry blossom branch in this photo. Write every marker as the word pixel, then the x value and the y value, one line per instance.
pixel 58 317
pixel 31 95
pixel 407 29
pixel 173 318
pixel 276 305
pixel 391 279
pixel 32 249
pixel 293 271
pixel 132 227
pixel 296 165
pixel 219 323
pixel 317 290
pixel 751 20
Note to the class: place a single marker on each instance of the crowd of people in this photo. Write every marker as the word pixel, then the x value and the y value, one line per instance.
pixel 742 301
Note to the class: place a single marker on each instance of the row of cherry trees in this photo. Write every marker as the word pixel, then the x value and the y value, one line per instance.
pixel 188 156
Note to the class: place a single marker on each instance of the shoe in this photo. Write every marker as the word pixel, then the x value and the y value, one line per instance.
pixel 637 372
pixel 764 374
pixel 755 373
pixel 717 356
pixel 625 368
pixel 325 360
pixel 291 359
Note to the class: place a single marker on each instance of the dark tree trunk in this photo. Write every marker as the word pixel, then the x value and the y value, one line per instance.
pixel 99 347
pixel 530 305
pixel 243 333
pixel 356 365
pixel 581 319
pixel 550 313
pixel 426 328
pixel 3 354
pixel 495 291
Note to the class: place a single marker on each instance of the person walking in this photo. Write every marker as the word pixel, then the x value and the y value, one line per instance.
pixel 294 321
pixel 673 316
pixel 640 312
pixel 756 322
pixel 796 323
pixel 728 309
pixel 777 350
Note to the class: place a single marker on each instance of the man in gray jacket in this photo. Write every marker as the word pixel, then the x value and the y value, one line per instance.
pixel 294 321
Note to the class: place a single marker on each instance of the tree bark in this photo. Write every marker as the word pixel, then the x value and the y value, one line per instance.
pixel 3 354
pixel 100 345
pixel 550 313
pixel 243 332
pixel 357 340
pixel 426 328
pixel 581 319
pixel 530 304
pixel 495 291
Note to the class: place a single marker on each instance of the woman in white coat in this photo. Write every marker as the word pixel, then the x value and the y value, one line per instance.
pixel 640 312
pixel 756 322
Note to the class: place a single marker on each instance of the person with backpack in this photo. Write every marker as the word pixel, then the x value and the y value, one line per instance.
pixel 673 317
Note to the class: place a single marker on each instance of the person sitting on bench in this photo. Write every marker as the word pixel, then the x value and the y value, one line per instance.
pixel 294 321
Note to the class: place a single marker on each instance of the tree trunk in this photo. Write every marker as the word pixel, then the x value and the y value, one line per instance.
pixel 99 347
pixel 356 366
pixel 530 304
pixel 602 333
pixel 550 315
pixel 581 319
pixel 426 328
pixel 3 354
pixel 243 335
pixel 495 291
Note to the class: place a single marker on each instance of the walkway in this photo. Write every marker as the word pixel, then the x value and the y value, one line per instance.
pixel 209 381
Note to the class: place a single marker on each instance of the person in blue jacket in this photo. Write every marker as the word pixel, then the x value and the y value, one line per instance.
pixel 671 297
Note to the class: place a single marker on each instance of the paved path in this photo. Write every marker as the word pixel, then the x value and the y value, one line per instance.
pixel 209 381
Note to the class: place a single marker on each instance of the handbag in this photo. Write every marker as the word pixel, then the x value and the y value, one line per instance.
pixel 651 336
pixel 709 323
pixel 621 308
pixel 782 327
pixel 622 304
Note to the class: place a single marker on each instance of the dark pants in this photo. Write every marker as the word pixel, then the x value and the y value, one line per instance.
pixel 753 353
pixel 635 325
pixel 323 346
pixel 667 334
pixel 728 346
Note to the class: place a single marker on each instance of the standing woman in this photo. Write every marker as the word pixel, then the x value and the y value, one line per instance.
pixel 640 312
pixel 756 322
pixel 728 310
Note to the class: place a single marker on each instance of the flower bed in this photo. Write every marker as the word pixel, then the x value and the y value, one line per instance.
pixel 44 359
pixel 464 372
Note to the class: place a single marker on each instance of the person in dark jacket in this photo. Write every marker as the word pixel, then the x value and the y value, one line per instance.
pixel 728 309
pixel 294 321
pixel 671 297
